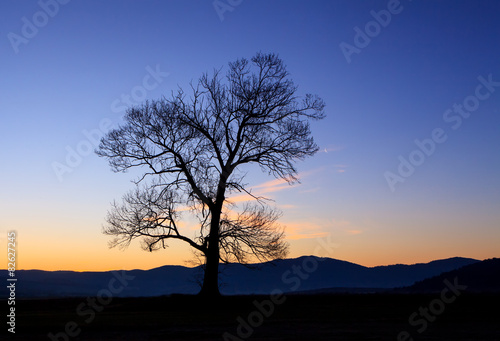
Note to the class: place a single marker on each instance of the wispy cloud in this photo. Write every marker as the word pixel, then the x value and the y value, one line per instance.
pixel 330 149
pixel 240 198
pixel 346 227
pixel 306 235
pixel 286 206
pixel 340 168
pixel 272 186
pixel 304 230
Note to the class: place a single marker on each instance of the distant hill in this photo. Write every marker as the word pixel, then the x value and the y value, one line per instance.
pixel 330 273
pixel 289 275
pixel 478 277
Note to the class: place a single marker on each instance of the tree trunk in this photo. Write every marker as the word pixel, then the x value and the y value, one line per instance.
pixel 210 286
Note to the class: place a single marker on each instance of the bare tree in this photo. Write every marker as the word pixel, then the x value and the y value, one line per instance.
pixel 194 148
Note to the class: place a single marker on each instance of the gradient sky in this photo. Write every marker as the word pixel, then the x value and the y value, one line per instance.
pixel 72 73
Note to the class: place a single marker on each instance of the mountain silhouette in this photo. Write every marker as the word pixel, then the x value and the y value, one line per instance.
pixel 307 273
pixel 478 277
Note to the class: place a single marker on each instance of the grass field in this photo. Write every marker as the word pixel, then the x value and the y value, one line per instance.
pixel 290 317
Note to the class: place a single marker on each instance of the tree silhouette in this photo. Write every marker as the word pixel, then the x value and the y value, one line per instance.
pixel 193 149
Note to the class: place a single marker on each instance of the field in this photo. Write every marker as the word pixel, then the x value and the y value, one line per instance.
pixel 291 317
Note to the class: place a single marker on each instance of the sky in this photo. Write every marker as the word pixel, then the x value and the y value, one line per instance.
pixel 409 159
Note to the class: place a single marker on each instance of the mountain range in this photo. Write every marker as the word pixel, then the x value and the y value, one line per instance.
pixel 477 277
pixel 303 274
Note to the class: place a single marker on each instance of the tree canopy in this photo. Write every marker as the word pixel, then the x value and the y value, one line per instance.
pixel 192 149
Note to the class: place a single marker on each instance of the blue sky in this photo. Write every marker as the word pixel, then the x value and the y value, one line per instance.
pixel 69 75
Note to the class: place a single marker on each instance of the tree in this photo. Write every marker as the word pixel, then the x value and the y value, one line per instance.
pixel 194 149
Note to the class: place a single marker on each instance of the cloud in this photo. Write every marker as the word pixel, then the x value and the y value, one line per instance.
pixel 273 186
pixel 304 230
pixel 240 198
pixel 340 168
pixel 307 235
pixel 287 206
pixel 346 226
pixel 310 172
pixel 330 149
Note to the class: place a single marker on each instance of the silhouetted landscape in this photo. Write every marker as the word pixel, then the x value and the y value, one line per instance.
pixel 237 279
pixel 479 277
pixel 340 300
pixel 250 170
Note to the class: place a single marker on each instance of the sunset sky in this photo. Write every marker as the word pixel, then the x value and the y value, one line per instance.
pixel 409 161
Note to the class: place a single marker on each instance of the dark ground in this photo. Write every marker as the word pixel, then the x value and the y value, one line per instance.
pixel 299 317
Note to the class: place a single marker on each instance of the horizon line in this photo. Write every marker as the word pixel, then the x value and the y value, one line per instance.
pixel 303 256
